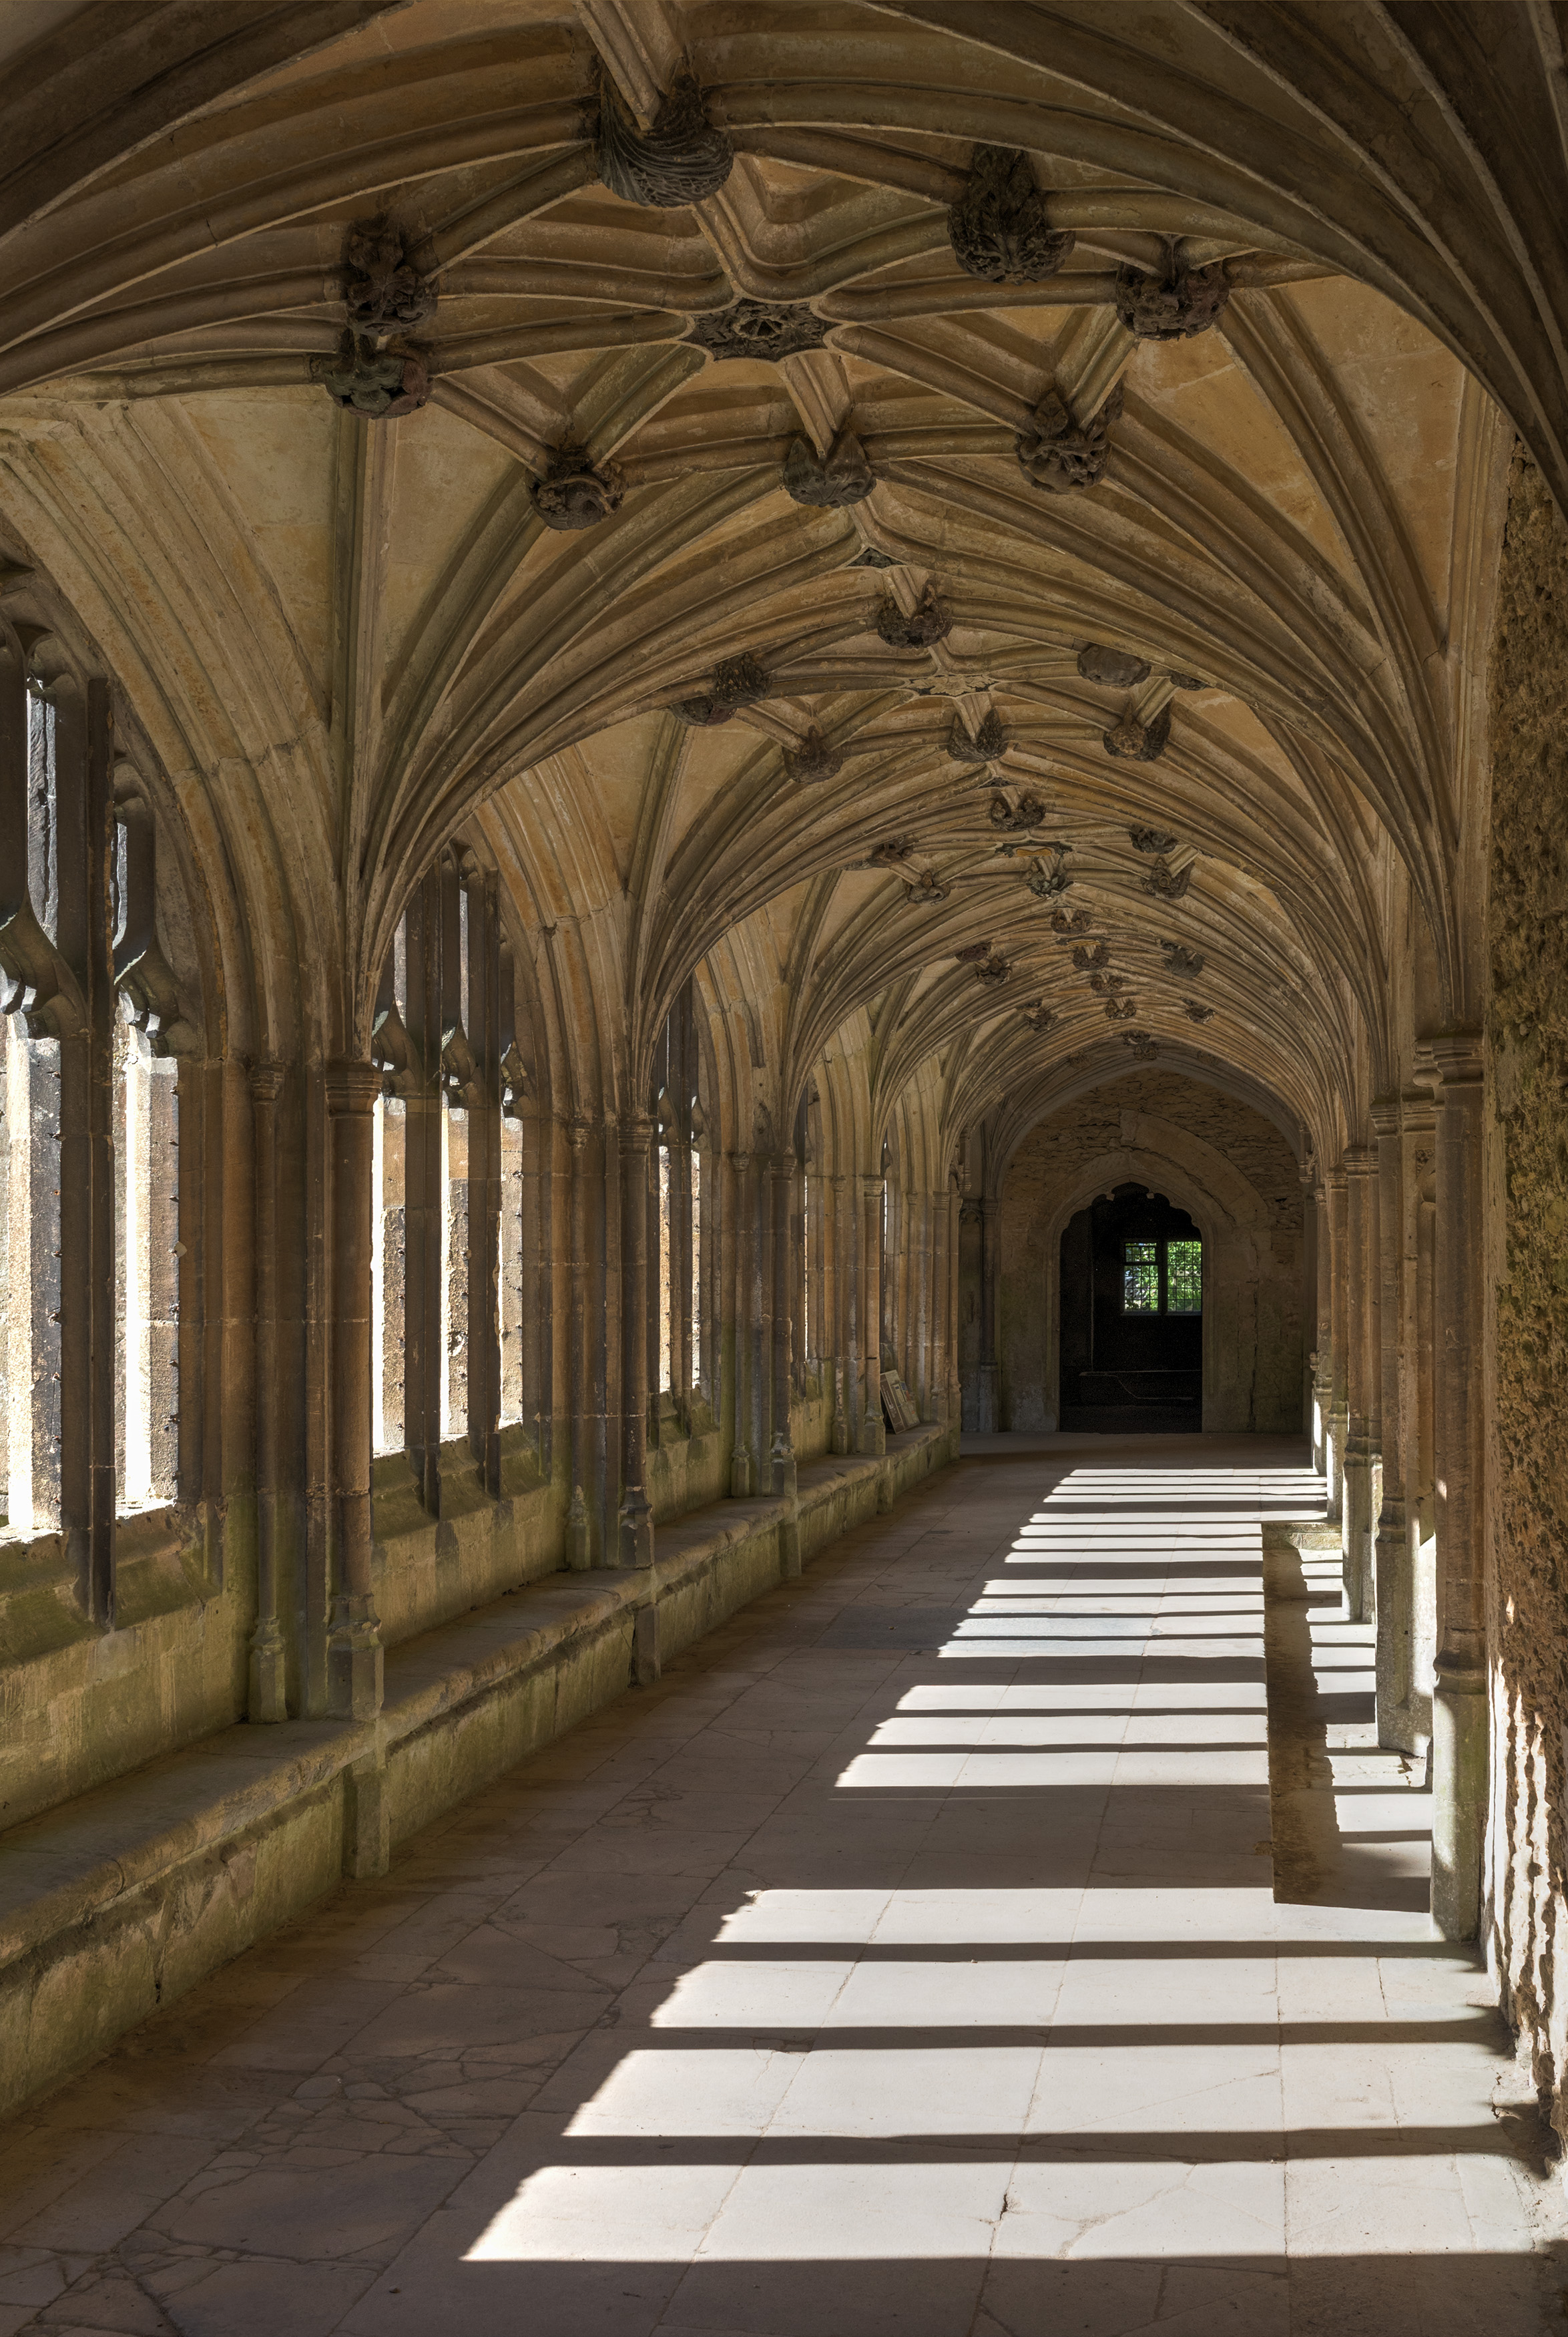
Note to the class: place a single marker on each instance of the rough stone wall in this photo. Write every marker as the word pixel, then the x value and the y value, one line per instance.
pixel 1527 1033
pixel 1254 1339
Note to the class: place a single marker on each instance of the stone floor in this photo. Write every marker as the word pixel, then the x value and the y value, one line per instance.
pixel 906 1964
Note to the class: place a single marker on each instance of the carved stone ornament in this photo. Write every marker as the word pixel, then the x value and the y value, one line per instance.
pixel 1105 985
pixel 832 484
pixel 769 329
pixel 888 854
pixel 574 493
pixel 1120 1009
pixel 930 623
pixel 1070 921
pixel 1196 1013
pixel 737 681
pixel 928 886
pixel 989 741
pixel 992 971
pixel 1016 819
pixel 1139 742
pixel 812 761
pixel 380 384
pixel 1151 839
pixel 1000 227
pixel 382 290
pixel 1048 877
pixel 1085 959
pixel 1174 304
pixel 1098 661
pixel 1062 455
pixel 1141 1043
pixel 1180 959
pixel 1188 681
pixel 1166 883
pixel 678 158
pixel 1040 1017
pixel 871 558
pixel 972 952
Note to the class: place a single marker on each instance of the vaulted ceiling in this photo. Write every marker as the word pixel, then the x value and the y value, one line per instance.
pixel 987 511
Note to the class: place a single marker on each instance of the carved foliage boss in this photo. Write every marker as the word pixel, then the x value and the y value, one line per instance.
pixel 679 158
pixel 999 227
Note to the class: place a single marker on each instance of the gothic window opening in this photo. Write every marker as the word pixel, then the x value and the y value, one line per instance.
pixel 1162 1277
pixel 676 1205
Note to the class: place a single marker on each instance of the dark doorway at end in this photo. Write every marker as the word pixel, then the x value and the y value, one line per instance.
pixel 1132 1345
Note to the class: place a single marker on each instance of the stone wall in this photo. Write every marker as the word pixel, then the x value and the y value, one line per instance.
pixel 1233 1173
pixel 1527 1196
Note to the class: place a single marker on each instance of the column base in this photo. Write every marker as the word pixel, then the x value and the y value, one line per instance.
pixel 740 1484
pixel 1396 1648
pixel 874 1435
pixel 781 1465
pixel 579 1554
pixel 636 1529
pixel 1458 1797
pixel 1357 1531
pixel 645 1665
pixel 268 1699
pixel 354 1660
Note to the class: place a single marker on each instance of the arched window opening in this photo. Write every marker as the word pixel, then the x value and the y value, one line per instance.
pixel 453 1242
pixel 1132 1333
pixel 91 1254
pixel 676 1365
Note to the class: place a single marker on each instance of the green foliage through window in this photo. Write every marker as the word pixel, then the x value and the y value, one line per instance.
pixel 1183 1277
pixel 1140 1277
pixel 1160 1277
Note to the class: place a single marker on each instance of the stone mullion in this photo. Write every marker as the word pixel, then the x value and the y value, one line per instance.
pixel 353 1640
pixel 484 1027
pixel 1323 1366
pixel 780 1215
pixel 1395 1571
pixel 84 848
pixel 1359 1515
pixel 1459 1754
pixel 682 1369
pixel 836 1311
pixel 424 1361
pixel 580 1365
pixel 941 1234
pixel 955 1392
pixel 741 1452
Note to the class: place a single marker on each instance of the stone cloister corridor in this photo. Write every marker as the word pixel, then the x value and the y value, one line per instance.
pixel 909 1962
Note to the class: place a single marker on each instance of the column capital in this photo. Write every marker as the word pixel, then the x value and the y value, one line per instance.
pixel 1359 1159
pixel 1459 1058
pixel 636 1131
pixel 352 1086
pixel 1385 1115
pixel 267 1078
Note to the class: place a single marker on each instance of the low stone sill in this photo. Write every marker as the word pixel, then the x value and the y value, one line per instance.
pixel 159 1566
pixel 116 1901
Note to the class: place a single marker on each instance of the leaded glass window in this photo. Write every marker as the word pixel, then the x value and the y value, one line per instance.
pixel 1140 1277
pixel 1183 1277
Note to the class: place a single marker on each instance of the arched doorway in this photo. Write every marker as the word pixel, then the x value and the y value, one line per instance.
pixel 1132 1351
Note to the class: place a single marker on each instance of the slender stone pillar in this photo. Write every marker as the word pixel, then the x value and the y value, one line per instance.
pixel 354 1654
pixel 1394 1570
pixel 987 1420
pixel 782 1183
pixel 836 1312
pixel 742 1459
pixel 268 1699
pixel 636 1133
pixel 955 1383
pixel 1419 1141
pixel 1358 1512
pixel 1338 1284
pixel 1322 1330
pixel 873 1428
pixel 1459 1704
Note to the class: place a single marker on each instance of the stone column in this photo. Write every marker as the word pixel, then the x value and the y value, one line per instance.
pixel 782 1182
pixel 354 1654
pixel 1323 1327
pixel 1459 1703
pixel 941 1224
pixel 742 1481
pixel 989 1209
pixel 636 1517
pixel 1419 1141
pixel 954 1385
pixel 873 1428
pixel 1359 1512
pixel 1339 1286
pixel 1395 1570
pixel 268 1699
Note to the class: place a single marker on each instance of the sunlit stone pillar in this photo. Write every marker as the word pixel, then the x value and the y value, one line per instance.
pixel 1360 1509
pixel 1394 1570
pixel 1459 1702
pixel 353 1653
pixel 1338 1289
pixel 1418 1145
pixel 636 1517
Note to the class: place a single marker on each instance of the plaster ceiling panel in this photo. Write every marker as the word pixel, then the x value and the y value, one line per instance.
pixel 275 453
pixel 1404 391
pixel 445 474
